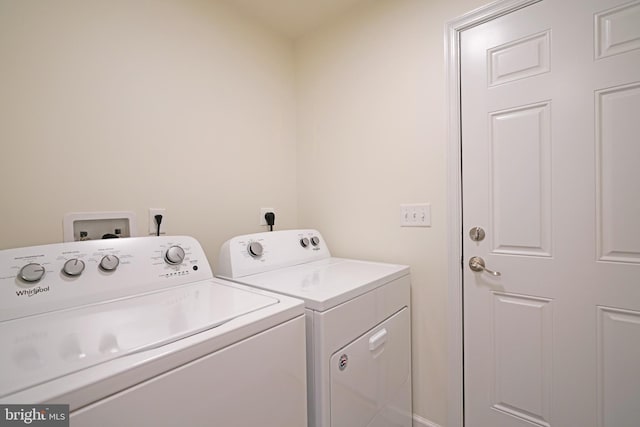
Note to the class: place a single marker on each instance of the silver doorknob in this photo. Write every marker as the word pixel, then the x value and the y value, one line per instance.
pixel 477 264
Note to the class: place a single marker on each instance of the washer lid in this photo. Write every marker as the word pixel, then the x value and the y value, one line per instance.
pixel 326 283
pixel 41 348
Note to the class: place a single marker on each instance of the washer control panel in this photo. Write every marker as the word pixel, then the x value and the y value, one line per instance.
pixel 261 252
pixel 44 278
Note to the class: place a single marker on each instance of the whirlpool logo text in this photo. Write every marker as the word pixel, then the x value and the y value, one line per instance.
pixel 32 292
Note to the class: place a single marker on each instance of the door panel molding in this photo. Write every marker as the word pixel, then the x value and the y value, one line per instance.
pixel 453 30
pixel 512 393
pixel 520 59
pixel 616 31
pixel 616 155
pixel 522 129
pixel 615 383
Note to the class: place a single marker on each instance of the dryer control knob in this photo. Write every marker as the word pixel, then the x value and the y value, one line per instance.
pixel 315 240
pixel 255 249
pixel 109 262
pixel 31 272
pixel 73 267
pixel 304 242
pixel 174 255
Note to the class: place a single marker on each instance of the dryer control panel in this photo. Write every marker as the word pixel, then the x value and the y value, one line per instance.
pixel 261 252
pixel 39 279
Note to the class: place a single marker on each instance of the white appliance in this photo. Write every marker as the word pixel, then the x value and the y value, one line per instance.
pixel 358 323
pixel 138 332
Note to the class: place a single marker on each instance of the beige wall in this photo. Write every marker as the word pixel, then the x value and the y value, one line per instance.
pixel 183 104
pixel 372 135
pixel 125 105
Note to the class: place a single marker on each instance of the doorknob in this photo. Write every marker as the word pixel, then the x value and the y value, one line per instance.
pixel 477 264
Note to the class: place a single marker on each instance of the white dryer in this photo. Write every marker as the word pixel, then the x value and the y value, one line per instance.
pixel 358 323
pixel 138 332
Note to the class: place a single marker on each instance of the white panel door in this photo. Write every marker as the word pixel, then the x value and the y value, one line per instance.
pixel 551 173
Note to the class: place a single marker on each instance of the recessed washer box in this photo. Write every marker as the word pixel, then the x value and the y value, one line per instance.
pixel 98 224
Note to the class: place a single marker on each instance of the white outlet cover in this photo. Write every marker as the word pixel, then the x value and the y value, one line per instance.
pixel 261 220
pixel 152 221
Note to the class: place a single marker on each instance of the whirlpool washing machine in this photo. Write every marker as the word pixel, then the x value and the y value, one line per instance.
pixel 357 318
pixel 138 332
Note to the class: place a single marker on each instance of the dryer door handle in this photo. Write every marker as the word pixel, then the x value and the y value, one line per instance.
pixel 377 339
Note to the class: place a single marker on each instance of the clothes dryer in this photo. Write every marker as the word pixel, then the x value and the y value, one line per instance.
pixel 358 319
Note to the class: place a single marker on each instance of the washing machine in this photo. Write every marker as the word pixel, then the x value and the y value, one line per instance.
pixel 358 321
pixel 138 332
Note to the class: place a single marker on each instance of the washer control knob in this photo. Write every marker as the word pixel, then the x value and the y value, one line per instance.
pixel 73 267
pixel 109 262
pixel 255 249
pixel 174 255
pixel 304 242
pixel 315 240
pixel 31 272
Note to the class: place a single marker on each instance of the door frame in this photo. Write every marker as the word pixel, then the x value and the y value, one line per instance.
pixel 455 233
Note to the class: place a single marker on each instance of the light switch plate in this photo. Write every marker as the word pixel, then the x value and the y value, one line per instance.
pixel 415 215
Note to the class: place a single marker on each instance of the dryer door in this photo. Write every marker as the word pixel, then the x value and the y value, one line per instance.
pixel 371 377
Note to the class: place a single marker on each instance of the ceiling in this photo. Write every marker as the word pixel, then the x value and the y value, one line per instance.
pixel 293 17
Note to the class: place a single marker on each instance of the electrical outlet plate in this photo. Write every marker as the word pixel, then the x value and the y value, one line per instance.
pixel 415 215
pixel 153 228
pixel 263 211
